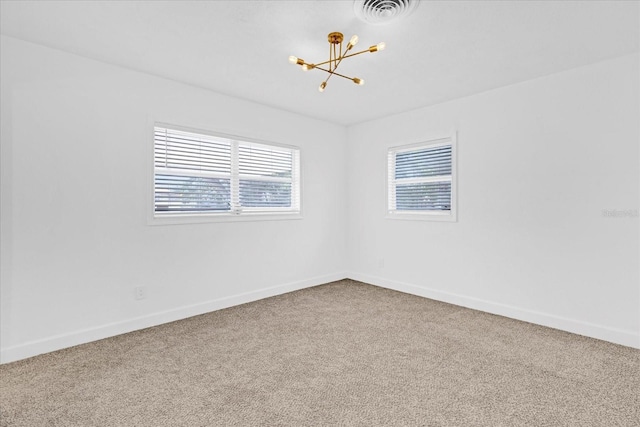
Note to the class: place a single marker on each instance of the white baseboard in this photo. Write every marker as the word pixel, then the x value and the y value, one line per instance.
pixel 57 342
pixel 34 348
pixel 617 336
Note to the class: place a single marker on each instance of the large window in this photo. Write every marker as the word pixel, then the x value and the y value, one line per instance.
pixel 421 180
pixel 207 175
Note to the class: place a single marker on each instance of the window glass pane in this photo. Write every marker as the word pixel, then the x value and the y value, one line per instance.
pixel 424 196
pixel 423 162
pixel 191 194
pixel 255 193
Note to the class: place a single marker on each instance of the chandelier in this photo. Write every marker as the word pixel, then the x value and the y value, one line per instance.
pixel 336 55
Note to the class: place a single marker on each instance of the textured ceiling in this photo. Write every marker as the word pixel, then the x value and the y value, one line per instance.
pixel 445 50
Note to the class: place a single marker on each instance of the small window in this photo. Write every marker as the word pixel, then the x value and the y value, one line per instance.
pixel 421 180
pixel 211 175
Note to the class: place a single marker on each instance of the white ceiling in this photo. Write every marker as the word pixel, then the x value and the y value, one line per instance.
pixel 445 50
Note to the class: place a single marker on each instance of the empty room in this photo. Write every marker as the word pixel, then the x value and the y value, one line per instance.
pixel 318 213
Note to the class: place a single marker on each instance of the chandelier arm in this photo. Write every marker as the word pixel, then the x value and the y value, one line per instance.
pixel 330 60
pixel 339 61
pixel 321 63
pixel 333 72
pixel 332 51
pixel 354 54
pixel 325 62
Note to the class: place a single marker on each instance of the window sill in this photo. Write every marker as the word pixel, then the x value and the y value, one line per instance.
pixel 223 217
pixel 423 216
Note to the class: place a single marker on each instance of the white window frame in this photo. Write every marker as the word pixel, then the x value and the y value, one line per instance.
pixel 422 215
pixel 237 213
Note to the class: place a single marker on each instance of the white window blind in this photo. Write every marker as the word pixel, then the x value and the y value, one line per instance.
pixel 267 178
pixel 203 173
pixel 420 178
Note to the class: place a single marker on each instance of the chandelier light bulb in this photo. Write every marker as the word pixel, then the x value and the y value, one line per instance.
pixel 322 86
pixel 353 41
pixel 296 60
pixel 377 47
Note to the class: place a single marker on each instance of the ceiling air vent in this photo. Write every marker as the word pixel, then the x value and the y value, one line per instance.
pixel 383 11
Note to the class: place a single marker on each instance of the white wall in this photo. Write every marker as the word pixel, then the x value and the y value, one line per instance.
pixel 76 153
pixel 538 162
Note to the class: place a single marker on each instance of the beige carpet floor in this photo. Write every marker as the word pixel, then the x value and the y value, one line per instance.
pixel 344 353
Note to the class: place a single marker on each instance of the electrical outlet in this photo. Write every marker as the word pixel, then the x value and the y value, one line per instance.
pixel 140 292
